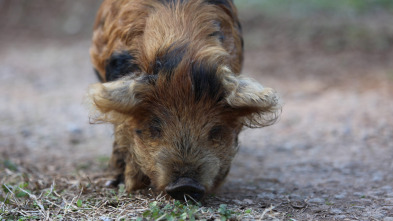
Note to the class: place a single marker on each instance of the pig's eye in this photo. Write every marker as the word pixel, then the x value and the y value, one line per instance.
pixel 155 127
pixel 138 132
pixel 155 131
pixel 216 133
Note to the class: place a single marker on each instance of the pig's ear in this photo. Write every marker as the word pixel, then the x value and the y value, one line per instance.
pixel 256 105
pixel 113 98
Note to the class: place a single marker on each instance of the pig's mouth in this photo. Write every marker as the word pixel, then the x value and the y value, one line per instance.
pixel 184 188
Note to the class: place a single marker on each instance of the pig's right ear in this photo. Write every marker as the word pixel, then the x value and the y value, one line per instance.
pixel 114 97
pixel 256 105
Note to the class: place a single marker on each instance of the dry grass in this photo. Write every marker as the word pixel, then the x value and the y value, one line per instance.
pixel 27 196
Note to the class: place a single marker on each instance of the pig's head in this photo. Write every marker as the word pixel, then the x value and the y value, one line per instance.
pixel 181 126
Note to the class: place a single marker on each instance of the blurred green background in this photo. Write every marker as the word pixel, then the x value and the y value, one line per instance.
pixel 329 25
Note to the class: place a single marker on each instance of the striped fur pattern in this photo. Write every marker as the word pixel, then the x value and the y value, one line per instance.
pixel 170 85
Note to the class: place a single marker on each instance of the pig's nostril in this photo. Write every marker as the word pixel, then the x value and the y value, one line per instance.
pixel 185 187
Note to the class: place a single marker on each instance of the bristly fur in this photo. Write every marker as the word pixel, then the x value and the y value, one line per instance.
pixel 171 88
pixel 120 64
pixel 205 82
pixel 168 59
pixel 191 24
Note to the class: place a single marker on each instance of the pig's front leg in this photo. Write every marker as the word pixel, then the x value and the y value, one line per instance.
pixel 133 176
pixel 117 164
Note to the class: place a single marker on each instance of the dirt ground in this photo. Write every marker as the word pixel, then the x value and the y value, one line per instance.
pixel 330 156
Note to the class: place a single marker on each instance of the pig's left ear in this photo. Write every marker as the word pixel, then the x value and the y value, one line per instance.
pixel 112 101
pixel 258 106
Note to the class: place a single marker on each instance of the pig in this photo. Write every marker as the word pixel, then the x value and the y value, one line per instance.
pixel 170 85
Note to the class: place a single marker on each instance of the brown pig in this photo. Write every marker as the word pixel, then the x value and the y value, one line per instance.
pixel 170 85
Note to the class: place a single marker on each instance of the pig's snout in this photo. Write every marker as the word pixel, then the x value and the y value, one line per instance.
pixel 185 187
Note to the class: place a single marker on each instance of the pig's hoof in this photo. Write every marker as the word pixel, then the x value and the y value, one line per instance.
pixel 111 183
pixel 115 182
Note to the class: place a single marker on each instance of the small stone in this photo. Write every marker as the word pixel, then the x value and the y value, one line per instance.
pixel 359 194
pixel 298 204
pixel 387 208
pixel 264 204
pixel 316 201
pixel 340 196
pixel 387 188
pixel 336 211
pixel 389 200
pixel 103 218
pixel 26 132
pixel 286 147
pixel 238 202
pixel 295 197
pixel 378 176
pixel 358 207
pixel 266 196
pixel 340 217
pixel 378 216
pixel 251 187
pixel 388 219
pixel 74 129
pixel 319 209
pixel 76 134
pixel 378 193
pixel 248 201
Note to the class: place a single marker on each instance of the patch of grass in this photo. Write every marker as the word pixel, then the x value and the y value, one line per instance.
pixel 103 161
pixel 18 190
pixel 176 210
pixel 225 213
pixel 173 211
pixel 70 197
pixel 10 165
pixel 83 166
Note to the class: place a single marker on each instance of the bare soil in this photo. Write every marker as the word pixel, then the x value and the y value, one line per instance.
pixel 330 156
